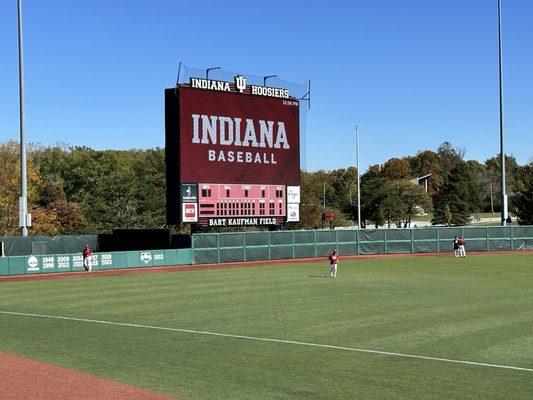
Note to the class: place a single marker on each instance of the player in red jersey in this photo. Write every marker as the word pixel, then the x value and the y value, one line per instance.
pixel 462 251
pixel 333 261
pixel 87 258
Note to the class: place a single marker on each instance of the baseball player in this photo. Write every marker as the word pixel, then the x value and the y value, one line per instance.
pixel 87 258
pixel 456 246
pixel 333 261
pixel 462 251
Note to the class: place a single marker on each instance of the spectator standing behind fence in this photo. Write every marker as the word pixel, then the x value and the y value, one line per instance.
pixel 333 261
pixel 456 246
pixel 462 251
pixel 87 258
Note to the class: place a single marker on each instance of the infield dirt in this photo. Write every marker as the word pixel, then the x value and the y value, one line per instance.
pixel 24 379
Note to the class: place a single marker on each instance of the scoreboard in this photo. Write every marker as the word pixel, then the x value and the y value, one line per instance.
pixel 232 154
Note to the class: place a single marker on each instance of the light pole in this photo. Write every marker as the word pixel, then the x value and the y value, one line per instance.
pixel 503 199
pixel 23 202
pixel 358 177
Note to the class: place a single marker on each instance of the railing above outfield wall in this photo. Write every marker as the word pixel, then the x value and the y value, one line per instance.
pixel 26 245
pixel 251 246
pixel 49 263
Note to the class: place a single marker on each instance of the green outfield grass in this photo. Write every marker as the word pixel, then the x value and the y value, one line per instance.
pixel 478 309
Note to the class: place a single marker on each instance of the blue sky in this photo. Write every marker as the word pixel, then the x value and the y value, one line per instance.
pixel 411 73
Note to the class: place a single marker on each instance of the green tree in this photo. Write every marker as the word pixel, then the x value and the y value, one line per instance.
pixel 150 187
pixel 447 214
pixel 413 198
pixel 372 194
pixel 522 200
pixel 492 176
pixel 310 205
pixel 424 163
pixel 449 158
pixel 389 204
pixel 460 193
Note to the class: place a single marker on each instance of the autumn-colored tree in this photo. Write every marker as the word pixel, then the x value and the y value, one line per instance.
pixel 10 192
pixel 425 163
pixel 82 190
pixel 45 222
pixel 396 168
pixel 9 188
pixel 310 205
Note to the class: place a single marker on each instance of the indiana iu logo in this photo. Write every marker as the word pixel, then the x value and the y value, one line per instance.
pixel 240 83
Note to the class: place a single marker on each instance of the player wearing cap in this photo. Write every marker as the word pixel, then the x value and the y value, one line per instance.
pixel 87 258
pixel 333 261
pixel 462 251
pixel 456 246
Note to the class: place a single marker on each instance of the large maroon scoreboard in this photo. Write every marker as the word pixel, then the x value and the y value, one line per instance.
pixel 232 154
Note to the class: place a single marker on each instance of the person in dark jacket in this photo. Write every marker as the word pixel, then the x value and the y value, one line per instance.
pixel 456 246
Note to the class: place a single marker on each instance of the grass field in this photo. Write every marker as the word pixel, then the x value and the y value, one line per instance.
pixel 478 309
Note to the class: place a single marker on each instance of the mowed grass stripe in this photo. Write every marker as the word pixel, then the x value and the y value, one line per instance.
pixel 477 309
pixel 272 340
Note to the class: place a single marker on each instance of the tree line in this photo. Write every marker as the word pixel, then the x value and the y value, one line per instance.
pixel 74 190
pixel 456 189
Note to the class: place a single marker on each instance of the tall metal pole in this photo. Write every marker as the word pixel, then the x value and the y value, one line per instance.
pixel 358 177
pixel 491 200
pixel 503 199
pixel 23 203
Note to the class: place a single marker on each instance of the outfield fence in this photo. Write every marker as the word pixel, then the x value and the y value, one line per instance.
pixel 61 244
pixel 253 246
pixel 49 263
pixel 259 246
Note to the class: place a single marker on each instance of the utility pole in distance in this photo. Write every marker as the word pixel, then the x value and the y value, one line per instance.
pixel 358 177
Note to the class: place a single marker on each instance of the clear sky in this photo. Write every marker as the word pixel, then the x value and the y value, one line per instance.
pixel 411 73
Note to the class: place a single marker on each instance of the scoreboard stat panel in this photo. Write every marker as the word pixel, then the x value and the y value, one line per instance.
pixel 239 200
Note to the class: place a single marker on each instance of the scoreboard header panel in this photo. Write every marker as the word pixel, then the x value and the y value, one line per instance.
pixel 228 137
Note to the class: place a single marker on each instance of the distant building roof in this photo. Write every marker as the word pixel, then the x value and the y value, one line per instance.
pixel 422 181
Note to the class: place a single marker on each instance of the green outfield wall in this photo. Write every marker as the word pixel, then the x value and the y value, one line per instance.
pixel 50 263
pixel 259 246
pixel 252 246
